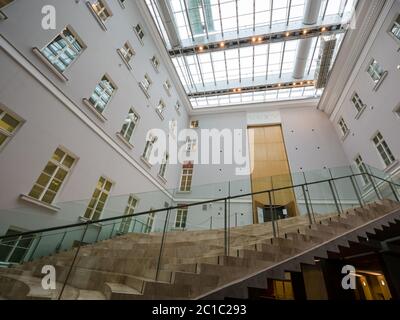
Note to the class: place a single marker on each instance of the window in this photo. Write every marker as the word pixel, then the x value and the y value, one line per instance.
pixel 178 107
pixel 168 87
pixel 129 125
pixel 383 149
pixel 190 146
pixel 129 210
pixel 343 127
pixel 163 167
pixel 397 111
pixel 150 222
pixel 99 199
pixel 4 3
pixel 181 217
pixel 362 168
pixel 122 3
pixel 101 10
pixel 64 49
pixel 149 147
pixel 375 71
pixel 395 28
pixel 145 85
pixel 8 126
pixel 194 124
pixel 186 179
pixel 358 104
pixel 126 53
pixel 161 108
pixel 102 94
pixel 155 63
pixel 14 249
pixel 139 32
pixel 53 176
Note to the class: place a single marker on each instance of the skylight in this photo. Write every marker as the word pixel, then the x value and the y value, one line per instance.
pixel 244 51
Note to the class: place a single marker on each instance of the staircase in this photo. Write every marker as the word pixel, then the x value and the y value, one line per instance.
pixel 193 263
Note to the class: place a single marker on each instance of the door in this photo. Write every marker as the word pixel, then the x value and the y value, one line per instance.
pixel 270 169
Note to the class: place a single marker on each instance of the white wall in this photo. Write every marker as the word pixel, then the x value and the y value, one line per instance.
pixel 49 123
pixel 379 115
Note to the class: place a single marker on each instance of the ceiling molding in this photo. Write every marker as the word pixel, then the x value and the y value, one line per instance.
pixel 352 52
pixel 264 106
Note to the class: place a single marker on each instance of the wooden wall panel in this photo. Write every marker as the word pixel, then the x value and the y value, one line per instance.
pixel 270 168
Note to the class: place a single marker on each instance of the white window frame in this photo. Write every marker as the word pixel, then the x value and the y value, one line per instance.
pixel 145 85
pixel 123 134
pixel 52 177
pixel 395 24
pixel 168 86
pixel 122 3
pixel 344 129
pixel 139 33
pixel 181 217
pixel 362 168
pixel 163 167
pixel 374 68
pixel 98 14
pixel 160 109
pixel 14 244
pixel 9 135
pixel 155 63
pixel 42 56
pixel 359 105
pixel 127 51
pixel 194 124
pixel 92 106
pixel 186 176
pixel 102 190
pixel 148 148
pixel 178 107
pixel 383 150
pixel 129 210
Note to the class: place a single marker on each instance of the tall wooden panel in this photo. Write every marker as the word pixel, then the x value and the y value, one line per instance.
pixel 270 168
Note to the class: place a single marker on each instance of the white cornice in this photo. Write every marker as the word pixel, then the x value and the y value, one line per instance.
pixel 353 52
pixel 264 106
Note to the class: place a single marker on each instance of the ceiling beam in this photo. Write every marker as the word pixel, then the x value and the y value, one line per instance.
pixel 246 89
pixel 286 35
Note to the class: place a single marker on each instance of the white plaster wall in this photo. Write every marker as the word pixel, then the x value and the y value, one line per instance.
pixel 379 115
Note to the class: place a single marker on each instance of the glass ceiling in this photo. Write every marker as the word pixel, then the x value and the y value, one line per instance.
pixel 210 77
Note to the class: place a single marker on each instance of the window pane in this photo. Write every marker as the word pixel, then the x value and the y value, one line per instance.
pixel 8 123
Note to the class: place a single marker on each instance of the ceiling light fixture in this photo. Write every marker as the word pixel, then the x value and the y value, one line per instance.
pixel 201 48
pixel 222 44
pixel 305 31
pixel 260 39
pixel 253 39
pixel 287 34
pixel 323 29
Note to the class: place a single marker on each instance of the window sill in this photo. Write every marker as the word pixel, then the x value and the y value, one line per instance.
pixel 83 219
pixel 99 21
pixel 3 16
pixel 147 163
pixel 163 180
pixel 183 192
pixel 93 109
pixel 124 60
pixel 392 166
pixel 40 55
pixel 344 137
pixel 39 203
pixel 146 93
pixel 126 142
pixel 360 113
pixel 160 115
pixel 378 84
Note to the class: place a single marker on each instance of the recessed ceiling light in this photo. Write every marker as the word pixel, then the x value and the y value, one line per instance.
pixel 287 34
pixel 222 44
pixel 323 29
pixel 201 48
pixel 305 31
pixel 254 39
pixel 260 39
pixel 398 67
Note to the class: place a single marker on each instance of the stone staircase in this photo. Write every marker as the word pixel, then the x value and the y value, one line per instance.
pixel 193 263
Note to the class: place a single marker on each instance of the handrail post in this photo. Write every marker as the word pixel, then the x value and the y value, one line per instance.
pixel 74 259
pixel 226 227
pixel 134 225
pixel 112 230
pixel 394 191
pixel 356 191
pixel 36 246
pixel 162 244
pixel 307 206
pixel 271 211
pixel 61 241
pixel 334 197
pixel 374 185
pixel 211 222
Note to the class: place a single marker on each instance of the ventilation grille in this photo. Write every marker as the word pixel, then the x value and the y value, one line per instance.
pixel 325 58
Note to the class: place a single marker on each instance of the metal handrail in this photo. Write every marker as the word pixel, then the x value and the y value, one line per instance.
pixel 166 209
